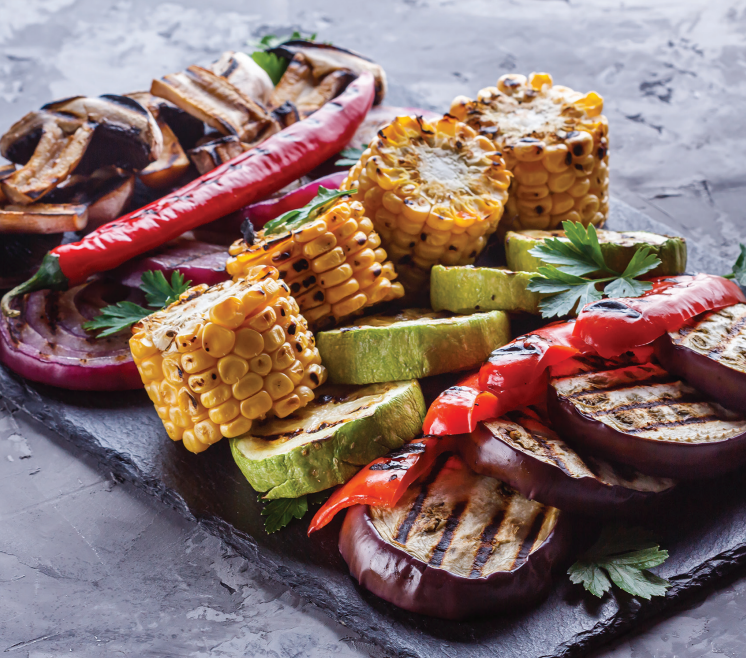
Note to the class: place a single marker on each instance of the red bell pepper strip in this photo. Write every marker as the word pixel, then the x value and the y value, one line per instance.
pixel 383 482
pixel 614 326
pixel 279 160
pixel 525 359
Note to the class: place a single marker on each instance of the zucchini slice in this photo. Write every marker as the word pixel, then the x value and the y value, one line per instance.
pixel 709 352
pixel 617 248
pixel 469 289
pixel 456 545
pixel 330 439
pixel 411 344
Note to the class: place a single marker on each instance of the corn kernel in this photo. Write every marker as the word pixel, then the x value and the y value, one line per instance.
pixel 236 427
pixel 283 358
pixel 192 444
pixel 151 368
pixel 256 406
pixel 197 361
pixel 249 343
pixel 231 368
pixel 172 370
pixel 247 386
pixel 204 381
pixel 305 394
pixel 216 396
pixel 207 432
pixel 225 412
pixel 315 376
pixel 286 405
pixel 261 364
pixel 262 321
pixel 278 385
pixel 273 339
pixel 174 432
pixel 142 346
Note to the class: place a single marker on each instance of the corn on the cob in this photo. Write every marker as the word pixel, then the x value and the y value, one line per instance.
pixel 334 265
pixel 554 140
pixel 435 193
pixel 226 355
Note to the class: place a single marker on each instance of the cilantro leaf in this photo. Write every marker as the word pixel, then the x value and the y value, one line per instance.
pixel 274 65
pixel 350 156
pixel 622 557
pixel 159 293
pixel 281 511
pixel 295 218
pixel 116 317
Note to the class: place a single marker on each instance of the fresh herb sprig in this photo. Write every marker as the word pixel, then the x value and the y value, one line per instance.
pixel 295 218
pixel 739 268
pixel 563 279
pixel 159 293
pixel 621 556
pixel 350 156
pixel 281 511
pixel 274 65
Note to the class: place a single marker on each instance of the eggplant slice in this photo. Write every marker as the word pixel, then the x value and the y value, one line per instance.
pixel 456 545
pixel 245 75
pixel 188 129
pixel 646 418
pixel 170 166
pixel 209 155
pixel 43 218
pixel 523 451
pixel 709 352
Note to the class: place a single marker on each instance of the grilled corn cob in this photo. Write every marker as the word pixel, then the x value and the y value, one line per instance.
pixel 554 140
pixel 334 265
pixel 435 193
pixel 226 355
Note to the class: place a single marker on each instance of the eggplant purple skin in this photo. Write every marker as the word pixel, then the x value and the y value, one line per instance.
pixel 536 480
pixel 660 458
pixel 723 384
pixel 412 585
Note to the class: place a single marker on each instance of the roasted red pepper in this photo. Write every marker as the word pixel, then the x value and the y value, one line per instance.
pixel 384 480
pixel 613 326
pixel 253 175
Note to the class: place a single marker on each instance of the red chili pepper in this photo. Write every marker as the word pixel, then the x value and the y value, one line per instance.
pixel 255 174
pixel 614 326
pixel 383 482
pixel 525 359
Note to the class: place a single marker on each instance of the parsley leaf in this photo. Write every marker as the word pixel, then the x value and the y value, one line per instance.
pixel 158 292
pixel 350 156
pixel 274 65
pixel 281 511
pixel 296 218
pixel 622 557
pixel 563 280
pixel 739 268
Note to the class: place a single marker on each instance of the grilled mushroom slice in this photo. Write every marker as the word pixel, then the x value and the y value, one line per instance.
pixel 43 218
pixel 6 171
pixel 456 545
pixel 21 140
pixel 245 75
pixel 215 101
pixel 709 352
pixel 523 451
pixel 209 155
pixel 645 417
pixel 170 166
pixel 188 129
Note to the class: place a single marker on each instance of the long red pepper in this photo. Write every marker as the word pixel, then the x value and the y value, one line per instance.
pixel 261 171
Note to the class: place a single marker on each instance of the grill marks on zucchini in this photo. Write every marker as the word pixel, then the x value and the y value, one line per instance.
pixel 646 401
pixel 467 524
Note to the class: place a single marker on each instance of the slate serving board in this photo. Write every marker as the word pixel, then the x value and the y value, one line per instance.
pixel 704 531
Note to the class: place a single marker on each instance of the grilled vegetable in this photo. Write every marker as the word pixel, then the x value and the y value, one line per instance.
pixel 644 417
pixel 259 172
pixel 614 326
pixel 435 192
pixel 411 344
pixel 554 141
pixel 224 356
pixel 210 154
pixel 458 545
pixel 245 75
pixel 330 256
pixel 709 352
pixel 523 451
pixel 328 441
pixel 470 289
pixel 171 165
pixel 43 218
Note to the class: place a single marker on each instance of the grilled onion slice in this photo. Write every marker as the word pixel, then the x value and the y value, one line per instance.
pixel 456 545
pixel 645 417
pixel 709 352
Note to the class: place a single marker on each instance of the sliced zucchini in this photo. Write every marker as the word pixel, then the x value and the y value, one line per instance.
pixel 469 289
pixel 412 344
pixel 618 249
pixel 330 439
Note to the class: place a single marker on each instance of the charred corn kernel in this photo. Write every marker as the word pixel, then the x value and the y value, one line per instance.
pixel 311 231
pixel 286 405
pixel 142 346
pixel 320 245
pixel 418 177
pixel 256 406
pixel 315 376
pixel 349 305
pixel 580 188
pixel 346 230
pixel 561 203
pixel 532 193
pixel 212 356
pixel 549 134
pixel 336 276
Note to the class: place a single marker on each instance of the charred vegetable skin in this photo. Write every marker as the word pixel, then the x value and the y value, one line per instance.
pixel 224 356
pixel 281 159
pixel 559 163
pixel 435 193
pixel 457 545
pixel 708 351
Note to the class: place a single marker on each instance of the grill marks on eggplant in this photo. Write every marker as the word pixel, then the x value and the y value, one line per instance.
pixel 467 524
pixel 719 335
pixel 646 401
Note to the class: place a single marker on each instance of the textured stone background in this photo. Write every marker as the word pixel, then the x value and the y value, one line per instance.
pixel 90 567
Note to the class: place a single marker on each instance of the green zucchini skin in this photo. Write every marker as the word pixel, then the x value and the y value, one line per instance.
pixel 471 289
pixel 418 343
pixel 329 456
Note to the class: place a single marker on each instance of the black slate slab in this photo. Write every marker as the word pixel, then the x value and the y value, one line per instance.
pixel 705 532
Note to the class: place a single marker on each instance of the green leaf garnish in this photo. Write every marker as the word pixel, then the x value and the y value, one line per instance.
pixel 159 293
pixel 281 511
pixel 296 218
pixel 274 65
pixel 739 268
pixel 621 556
pixel 564 282
pixel 350 156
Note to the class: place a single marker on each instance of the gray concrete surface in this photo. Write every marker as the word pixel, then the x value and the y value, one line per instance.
pixel 674 78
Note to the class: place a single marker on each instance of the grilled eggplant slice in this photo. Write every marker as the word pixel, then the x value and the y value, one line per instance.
pixel 709 352
pixel 456 545
pixel 21 140
pixel 644 417
pixel 43 218
pixel 245 75
pixel 188 129
pixel 6 171
pixel 170 166
pixel 218 103
pixel 209 155
pixel 522 450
